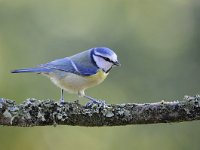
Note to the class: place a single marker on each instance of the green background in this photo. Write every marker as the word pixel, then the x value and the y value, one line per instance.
pixel 158 45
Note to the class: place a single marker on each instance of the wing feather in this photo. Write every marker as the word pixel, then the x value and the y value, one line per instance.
pixel 68 65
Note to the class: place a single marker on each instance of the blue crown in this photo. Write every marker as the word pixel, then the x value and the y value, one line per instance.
pixel 103 51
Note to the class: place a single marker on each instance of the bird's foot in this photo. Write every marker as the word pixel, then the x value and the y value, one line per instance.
pixel 93 102
pixel 62 101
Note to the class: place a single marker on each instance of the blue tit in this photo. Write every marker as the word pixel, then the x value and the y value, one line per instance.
pixel 79 72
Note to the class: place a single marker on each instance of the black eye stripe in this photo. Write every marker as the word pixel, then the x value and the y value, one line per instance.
pixel 105 58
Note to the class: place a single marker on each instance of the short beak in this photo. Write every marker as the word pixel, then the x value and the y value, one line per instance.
pixel 117 63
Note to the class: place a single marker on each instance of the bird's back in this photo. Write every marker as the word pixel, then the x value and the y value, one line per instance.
pixel 84 63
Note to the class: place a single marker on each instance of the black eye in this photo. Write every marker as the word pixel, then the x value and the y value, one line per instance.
pixel 107 59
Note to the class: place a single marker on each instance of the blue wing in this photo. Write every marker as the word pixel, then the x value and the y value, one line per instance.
pixel 68 65
pixel 80 64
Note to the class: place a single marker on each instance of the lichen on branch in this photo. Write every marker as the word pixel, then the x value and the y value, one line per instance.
pixel 34 112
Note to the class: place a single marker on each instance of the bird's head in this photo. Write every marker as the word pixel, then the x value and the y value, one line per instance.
pixel 104 58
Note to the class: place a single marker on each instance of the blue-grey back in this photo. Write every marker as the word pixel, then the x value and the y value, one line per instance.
pixel 81 64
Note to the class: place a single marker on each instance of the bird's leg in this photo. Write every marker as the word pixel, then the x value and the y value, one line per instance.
pixel 94 101
pixel 62 96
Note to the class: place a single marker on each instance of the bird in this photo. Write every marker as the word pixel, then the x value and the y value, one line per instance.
pixel 78 72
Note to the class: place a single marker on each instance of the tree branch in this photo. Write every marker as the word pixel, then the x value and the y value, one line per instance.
pixel 34 112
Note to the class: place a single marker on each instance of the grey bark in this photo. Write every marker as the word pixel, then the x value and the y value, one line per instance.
pixel 34 112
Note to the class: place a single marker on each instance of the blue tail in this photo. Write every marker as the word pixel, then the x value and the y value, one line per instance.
pixel 36 70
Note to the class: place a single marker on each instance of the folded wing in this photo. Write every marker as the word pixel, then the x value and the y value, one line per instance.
pixel 68 65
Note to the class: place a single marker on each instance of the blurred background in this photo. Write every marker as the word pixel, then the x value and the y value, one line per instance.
pixel 158 45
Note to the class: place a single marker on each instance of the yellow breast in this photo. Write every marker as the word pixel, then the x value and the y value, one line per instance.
pixel 99 76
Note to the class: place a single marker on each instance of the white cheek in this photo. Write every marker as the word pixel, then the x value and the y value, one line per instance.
pixel 106 65
pixel 101 63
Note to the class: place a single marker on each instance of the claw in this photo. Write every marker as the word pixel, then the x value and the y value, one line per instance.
pixel 93 101
pixel 96 102
pixel 62 101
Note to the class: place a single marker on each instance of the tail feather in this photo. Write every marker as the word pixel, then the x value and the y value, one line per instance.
pixel 36 70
